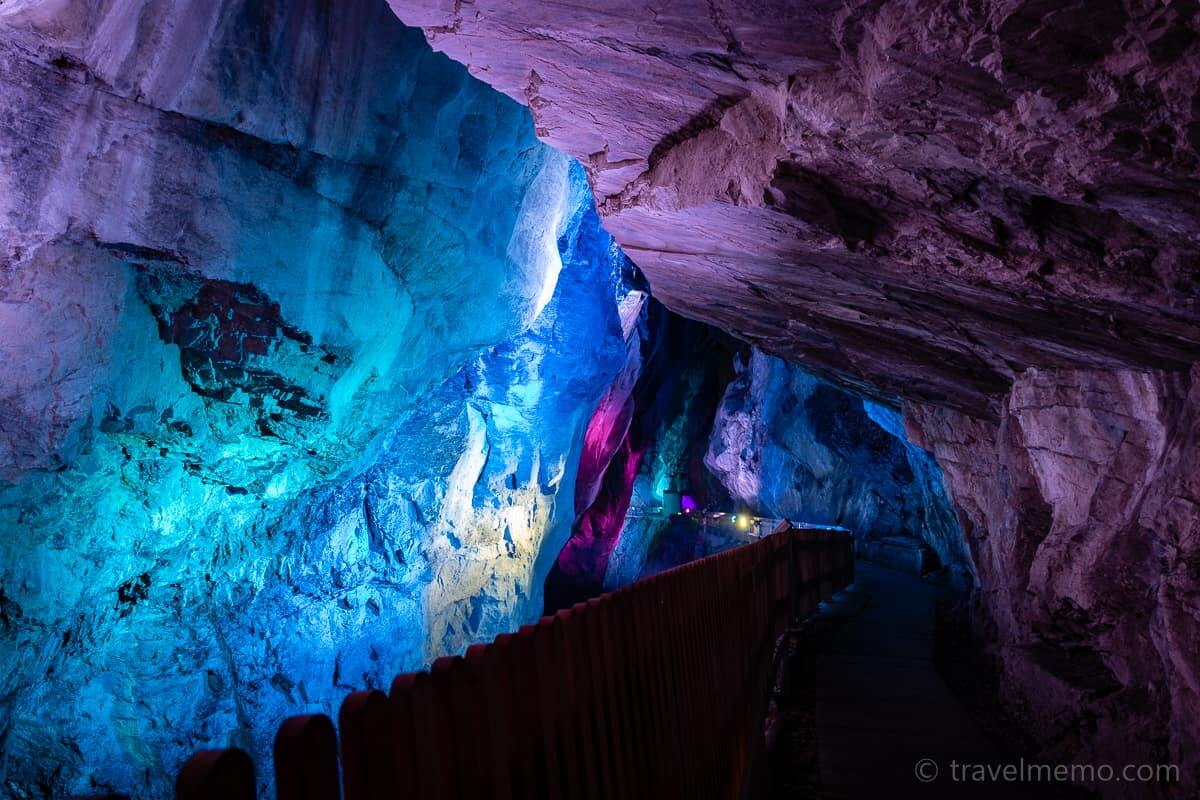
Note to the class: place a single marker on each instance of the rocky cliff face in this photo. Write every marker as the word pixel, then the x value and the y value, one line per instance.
pixel 648 431
pixel 736 430
pixel 168 167
pixel 300 328
pixel 1080 508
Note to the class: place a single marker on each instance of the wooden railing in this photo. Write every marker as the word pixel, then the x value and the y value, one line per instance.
pixel 657 690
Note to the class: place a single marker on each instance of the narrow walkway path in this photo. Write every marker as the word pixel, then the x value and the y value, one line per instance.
pixel 868 715
pixel 881 706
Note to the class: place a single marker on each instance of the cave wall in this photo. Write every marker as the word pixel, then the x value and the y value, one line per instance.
pixel 651 425
pixel 737 430
pixel 255 258
pixel 696 367
pixel 241 143
pixel 1080 510
pixel 300 330
pixel 789 445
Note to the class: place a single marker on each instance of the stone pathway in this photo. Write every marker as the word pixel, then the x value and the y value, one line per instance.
pixel 881 707
pixel 875 705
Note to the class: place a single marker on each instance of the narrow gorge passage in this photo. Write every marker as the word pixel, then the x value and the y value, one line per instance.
pixel 338 339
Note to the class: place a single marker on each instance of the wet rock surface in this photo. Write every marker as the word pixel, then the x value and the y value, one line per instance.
pixel 648 433
pixel 790 446
pixel 735 430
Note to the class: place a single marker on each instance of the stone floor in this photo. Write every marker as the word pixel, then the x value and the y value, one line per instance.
pixel 866 704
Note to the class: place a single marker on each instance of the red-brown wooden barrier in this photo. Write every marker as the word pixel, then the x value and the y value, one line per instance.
pixel 657 690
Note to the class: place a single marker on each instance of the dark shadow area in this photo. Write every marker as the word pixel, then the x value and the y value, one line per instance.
pixel 886 683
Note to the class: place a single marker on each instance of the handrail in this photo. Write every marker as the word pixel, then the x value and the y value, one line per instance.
pixel 658 689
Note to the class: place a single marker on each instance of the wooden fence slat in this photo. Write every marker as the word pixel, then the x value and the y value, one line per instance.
pixel 453 769
pixel 413 714
pixel 537 762
pixel 368 739
pixel 574 631
pixel 567 714
pixel 549 678
pixel 306 759
pixel 609 701
pixel 472 730
pixel 494 664
pixel 216 775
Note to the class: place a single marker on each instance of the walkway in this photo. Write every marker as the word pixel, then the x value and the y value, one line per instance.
pixel 876 705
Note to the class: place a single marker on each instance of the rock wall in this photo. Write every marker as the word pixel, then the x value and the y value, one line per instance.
pixel 1080 509
pixel 170 159
pixel 737 429
pixel 651 425
pixel 300 329
pixel 293 388
pixel 695 369
pixel 789 445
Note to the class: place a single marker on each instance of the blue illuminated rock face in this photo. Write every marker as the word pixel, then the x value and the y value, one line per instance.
pixel 786 444
pixel 695 368
pixel 935 521
pixel 301 329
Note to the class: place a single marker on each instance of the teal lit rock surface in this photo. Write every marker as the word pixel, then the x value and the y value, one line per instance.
pixel 736 430
pixel 300 330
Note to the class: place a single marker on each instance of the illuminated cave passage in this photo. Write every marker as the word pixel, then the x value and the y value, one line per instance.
pixel 745 439
pixel 331 346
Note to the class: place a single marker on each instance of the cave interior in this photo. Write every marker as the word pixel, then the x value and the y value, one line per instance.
pixel 339 338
